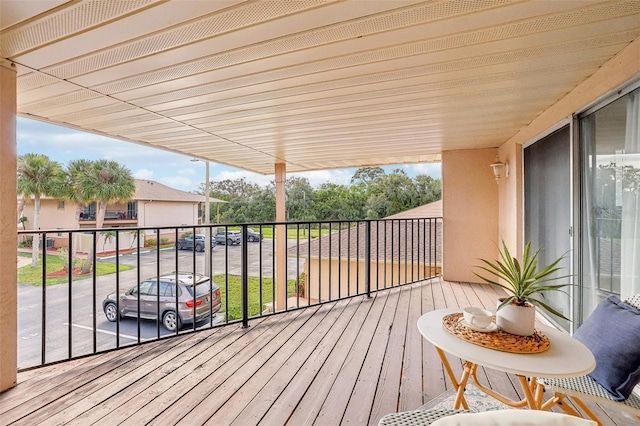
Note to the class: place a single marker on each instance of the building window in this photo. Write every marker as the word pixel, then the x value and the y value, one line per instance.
pixel 60 204
pixel 132 210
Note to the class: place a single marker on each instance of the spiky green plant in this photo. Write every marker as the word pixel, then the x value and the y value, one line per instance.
pixel 523 280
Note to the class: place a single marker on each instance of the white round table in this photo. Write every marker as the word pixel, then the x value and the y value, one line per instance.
pixel 566 357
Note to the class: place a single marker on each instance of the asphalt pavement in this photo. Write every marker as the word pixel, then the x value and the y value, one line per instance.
pixel 64 322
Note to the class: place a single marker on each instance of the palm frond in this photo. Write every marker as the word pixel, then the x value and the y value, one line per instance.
pixel 521 278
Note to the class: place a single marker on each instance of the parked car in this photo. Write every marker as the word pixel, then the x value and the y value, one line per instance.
pixel 228 237
pixel 196 294
pixel 253 236
pixel 187 242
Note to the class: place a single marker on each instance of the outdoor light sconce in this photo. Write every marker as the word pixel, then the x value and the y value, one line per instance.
pixel 500 169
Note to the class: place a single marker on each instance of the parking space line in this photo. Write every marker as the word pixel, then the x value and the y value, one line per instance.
pixel 112 333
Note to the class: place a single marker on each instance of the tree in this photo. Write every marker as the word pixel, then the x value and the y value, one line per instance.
pixel 38 176
pixel 103 182
pixel 390 194
pixel 299 196
pixel 367 175
pixel 428 189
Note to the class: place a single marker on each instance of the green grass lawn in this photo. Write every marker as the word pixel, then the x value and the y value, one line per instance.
pixel 233 305
pixel 292 233
pixel 33 276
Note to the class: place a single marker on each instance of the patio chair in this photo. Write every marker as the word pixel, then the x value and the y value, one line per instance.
pixel 509 417
pixel 416 417
pixel 585 387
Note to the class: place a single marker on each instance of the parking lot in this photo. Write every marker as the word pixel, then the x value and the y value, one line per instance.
pixel 78 320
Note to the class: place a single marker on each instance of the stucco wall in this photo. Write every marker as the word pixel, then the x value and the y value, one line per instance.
pixel 166 213
pixel 51 217
pixel 8 220
pixel 347 277
pixel 470 211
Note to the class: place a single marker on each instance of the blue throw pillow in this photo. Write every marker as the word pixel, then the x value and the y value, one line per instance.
pixel 612 334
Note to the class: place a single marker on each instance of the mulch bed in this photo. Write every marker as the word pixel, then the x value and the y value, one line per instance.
pixel 77 272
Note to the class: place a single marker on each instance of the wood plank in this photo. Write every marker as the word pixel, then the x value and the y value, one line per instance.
pixel 433 374
pixel 69 387
pixel 358 409
pixel 121 406
pixel 411 381
pixel 39 381
pixel 75 403
pixel 290 355
pixel 386 393
pixel 228 369
pixel 334 406
pixel 311 372
pixel 313 347
pixel 317 393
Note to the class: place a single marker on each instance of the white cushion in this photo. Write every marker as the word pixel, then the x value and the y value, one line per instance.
pixel 513 418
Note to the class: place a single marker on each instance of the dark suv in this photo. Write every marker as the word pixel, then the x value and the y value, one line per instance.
pixel 197 297
pixel 186 243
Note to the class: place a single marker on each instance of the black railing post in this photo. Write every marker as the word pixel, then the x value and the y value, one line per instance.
pixel 245 277
pixel 43 341
pixel 367 259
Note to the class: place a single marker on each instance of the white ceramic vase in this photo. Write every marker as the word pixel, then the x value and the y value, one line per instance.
pixel 518 320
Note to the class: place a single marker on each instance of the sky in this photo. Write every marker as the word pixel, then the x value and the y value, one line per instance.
pixel 177 171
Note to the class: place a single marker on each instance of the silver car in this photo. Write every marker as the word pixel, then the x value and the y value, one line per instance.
pixel 174 312
pixel 228 237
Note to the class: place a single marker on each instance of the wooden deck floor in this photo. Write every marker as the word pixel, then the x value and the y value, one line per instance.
pixel 348 362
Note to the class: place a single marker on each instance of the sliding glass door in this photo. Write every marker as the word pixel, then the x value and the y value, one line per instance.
pixel 547 204
pixel 610 157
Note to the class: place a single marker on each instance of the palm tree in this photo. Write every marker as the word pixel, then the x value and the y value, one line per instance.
pixel 74 169
pixel 103 182
pixel 38 176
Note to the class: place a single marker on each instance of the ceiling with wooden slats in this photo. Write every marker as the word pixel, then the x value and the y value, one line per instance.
pixel 314 84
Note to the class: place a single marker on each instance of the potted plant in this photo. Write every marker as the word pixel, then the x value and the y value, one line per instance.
pixel 523 282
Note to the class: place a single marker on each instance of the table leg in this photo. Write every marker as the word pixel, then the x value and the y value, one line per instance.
pixel 496 395
pixel 528 395
pixel 539 395
pixel 458 386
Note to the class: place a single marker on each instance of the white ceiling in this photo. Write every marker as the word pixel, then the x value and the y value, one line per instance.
pixel 315 84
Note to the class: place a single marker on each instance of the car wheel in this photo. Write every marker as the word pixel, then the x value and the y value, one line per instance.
pixel 179 246
pixel 200 247
pixel 111 312
pixel 229 241
pixel 170 321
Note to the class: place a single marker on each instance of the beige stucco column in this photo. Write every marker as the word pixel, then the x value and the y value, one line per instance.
pixel 8 227
pixel 281 238
pixel 469 211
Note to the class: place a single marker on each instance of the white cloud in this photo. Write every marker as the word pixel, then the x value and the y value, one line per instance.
pixel 187 171
pixel 143 174
pixel 177 182
pixel 251 177
pixel 430 169
pixel 337 176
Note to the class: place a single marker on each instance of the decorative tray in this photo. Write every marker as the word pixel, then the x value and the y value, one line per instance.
pixel 498 339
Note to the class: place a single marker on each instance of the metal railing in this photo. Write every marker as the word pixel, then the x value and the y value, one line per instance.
pixel 61 312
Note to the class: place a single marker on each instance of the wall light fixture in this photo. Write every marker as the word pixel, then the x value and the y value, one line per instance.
pixel 500 169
